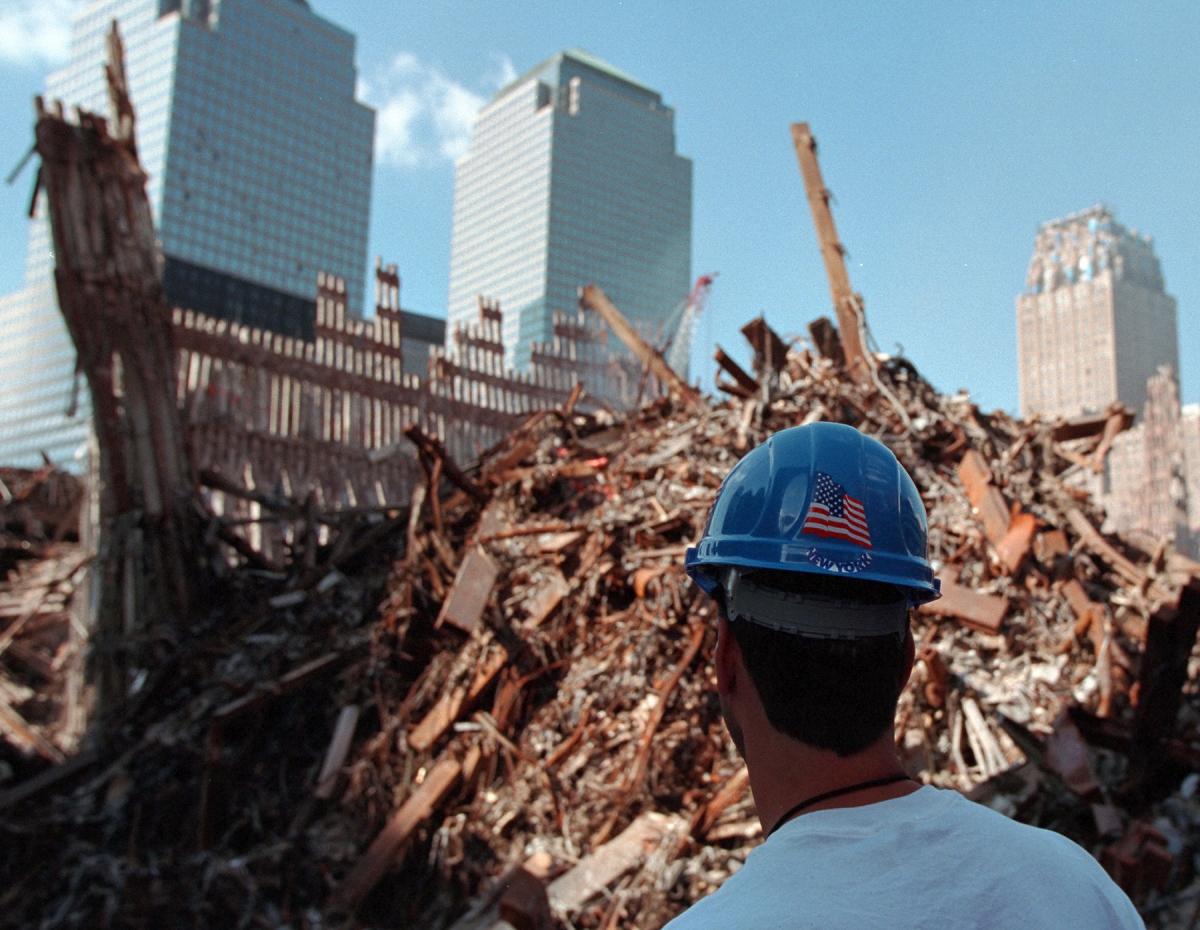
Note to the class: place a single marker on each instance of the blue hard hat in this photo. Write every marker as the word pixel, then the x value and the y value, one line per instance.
pixel 821 499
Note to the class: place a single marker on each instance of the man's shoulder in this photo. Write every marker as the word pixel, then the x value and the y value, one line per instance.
pixel 1025 875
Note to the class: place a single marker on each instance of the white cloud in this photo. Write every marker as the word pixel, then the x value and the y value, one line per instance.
pixel 422 115
pixel 505 73
pixel 394 130
pixel 35 31
pixel 454 116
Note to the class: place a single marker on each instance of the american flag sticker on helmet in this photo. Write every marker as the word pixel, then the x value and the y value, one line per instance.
pixel 834 514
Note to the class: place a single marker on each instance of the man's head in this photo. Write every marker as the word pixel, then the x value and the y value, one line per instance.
pixel 815 549
pixel 832 694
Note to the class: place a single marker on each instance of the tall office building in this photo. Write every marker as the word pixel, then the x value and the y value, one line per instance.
pixel 259 162
pixel 1095 321
pixel 571 178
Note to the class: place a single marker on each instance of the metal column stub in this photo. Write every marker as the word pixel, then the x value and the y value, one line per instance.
pixel 472 587
pixel 1169 641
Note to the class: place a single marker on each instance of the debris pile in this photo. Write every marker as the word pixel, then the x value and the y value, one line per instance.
pixel 42 564
pixel 494 707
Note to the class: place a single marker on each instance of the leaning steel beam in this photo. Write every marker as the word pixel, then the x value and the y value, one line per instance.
pixel 846 303
pixel 593 298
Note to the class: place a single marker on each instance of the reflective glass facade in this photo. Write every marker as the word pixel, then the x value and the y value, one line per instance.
pixel 259 162
pixel 571 178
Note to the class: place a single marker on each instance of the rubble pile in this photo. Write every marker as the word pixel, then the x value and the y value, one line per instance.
pixel 494 707
pixel 42 564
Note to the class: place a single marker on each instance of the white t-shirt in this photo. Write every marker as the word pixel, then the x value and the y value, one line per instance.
pixel 928 859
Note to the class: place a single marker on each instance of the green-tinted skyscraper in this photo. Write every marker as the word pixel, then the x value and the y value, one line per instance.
pixel 571 178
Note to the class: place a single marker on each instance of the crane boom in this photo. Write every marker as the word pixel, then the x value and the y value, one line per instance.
pixel 682 326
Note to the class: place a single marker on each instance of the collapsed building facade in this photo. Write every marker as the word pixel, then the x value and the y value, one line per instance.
pixel 327 417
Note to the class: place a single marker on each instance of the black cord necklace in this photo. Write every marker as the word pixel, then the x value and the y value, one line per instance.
pixel 836 792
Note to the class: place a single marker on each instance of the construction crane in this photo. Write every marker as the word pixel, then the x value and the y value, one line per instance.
pixel 680 326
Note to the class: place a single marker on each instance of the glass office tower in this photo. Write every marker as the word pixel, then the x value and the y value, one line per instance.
pixel 259 161
pixel 571 178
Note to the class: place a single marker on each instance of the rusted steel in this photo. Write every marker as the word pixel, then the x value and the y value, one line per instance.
pixel 1093 539
pixel 593 298
pixel 429 446
pixel 597 871
pixel 20 734
pixel 1119 418
pixel 847 305
pixel 1116 419
pixel 1140 862
pixel 984 612
pixel 984 496
pixel 469 595
pixel 937 675
pixel 547 597
pixel 770 352
pixel 1014 547
pixel 456 701
pixel 111 298
pixel 1048 545
pixel 1170 639
pixel 638 772
pixel 385 848
pixel 729 794
pixel 737 372
pixel 296 678
pixel 573 399
pixel 826 340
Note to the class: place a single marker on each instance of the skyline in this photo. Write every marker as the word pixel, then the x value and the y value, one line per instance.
pixel 947 136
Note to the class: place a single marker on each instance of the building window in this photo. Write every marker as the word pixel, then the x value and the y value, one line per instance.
pixel 573 96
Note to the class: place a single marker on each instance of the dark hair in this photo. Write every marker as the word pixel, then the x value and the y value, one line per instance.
pixel 836 694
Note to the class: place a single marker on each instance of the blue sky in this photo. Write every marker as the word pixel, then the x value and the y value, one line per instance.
pixel 947 132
